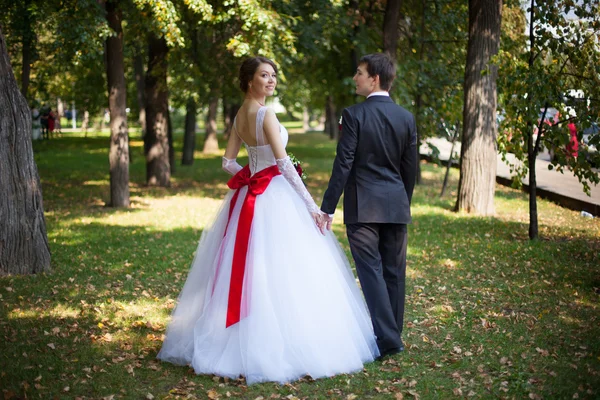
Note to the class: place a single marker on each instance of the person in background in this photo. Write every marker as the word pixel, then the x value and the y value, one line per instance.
pixel 573 145
pixel 51 123
pixel 36 123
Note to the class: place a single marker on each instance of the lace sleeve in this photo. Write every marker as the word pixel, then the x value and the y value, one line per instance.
pixel 289 173
pixel 231 166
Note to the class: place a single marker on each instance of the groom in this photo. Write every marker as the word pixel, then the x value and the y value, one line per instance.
pixel 375 167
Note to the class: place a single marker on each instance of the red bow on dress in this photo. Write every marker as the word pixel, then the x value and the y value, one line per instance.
pixel 257 184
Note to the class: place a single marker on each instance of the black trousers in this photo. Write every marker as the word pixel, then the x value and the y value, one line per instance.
pixel 379 251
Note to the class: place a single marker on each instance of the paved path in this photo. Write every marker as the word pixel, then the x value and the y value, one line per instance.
pixel 563 188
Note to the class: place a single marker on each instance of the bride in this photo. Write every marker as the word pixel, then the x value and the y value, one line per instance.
pixel 268 297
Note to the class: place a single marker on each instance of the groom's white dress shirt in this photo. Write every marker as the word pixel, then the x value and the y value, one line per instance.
pixel 381 93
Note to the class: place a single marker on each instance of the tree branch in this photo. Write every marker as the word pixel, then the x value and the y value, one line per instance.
pixel 578 76
pixel 536 148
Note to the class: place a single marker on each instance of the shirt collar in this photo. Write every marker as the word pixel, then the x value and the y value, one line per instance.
pixel 381 93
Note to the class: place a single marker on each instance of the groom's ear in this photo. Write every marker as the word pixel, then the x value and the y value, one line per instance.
pixel 377 81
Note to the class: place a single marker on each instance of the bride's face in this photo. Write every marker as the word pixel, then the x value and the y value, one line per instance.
pixel 264 81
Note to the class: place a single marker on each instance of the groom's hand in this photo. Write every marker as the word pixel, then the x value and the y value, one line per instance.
pixel 328 220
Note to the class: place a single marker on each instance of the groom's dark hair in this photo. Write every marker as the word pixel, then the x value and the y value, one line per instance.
pixel 380 64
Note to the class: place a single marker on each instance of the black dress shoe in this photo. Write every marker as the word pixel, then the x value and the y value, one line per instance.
pixel 390 352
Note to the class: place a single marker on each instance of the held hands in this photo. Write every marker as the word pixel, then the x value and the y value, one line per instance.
pixel 318 218
pixel 323 221
pixel 327 221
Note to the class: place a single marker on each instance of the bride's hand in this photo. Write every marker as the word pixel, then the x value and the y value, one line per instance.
pixel 318 218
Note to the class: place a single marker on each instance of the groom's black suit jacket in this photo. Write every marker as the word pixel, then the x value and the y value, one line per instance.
pixel 375 165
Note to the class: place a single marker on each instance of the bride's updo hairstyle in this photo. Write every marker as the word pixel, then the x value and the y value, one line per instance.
pixel 248 69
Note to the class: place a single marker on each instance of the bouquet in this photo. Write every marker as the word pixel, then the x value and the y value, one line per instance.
pixel 298 165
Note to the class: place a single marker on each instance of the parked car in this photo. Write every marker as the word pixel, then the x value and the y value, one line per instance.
pixel 591 141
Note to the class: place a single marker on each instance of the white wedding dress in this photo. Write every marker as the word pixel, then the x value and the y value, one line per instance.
pixel 301 311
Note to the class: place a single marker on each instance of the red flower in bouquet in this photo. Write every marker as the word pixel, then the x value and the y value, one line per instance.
pixel 297 165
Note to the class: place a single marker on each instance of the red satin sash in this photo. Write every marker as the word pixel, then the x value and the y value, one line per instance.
pixel 257 184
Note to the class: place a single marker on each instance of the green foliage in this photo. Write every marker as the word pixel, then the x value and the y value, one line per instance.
pixel 431 58
pixel 560 71
pixel 207 64
pixel 331 35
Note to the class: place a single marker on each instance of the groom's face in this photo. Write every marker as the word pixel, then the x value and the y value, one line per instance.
pixel 365 84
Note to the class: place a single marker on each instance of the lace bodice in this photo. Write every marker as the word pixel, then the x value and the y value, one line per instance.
pixel 261 156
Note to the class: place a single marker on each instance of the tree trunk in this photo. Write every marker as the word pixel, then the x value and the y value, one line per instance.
pixel 305 119
pixel 60 112
pixel 156 140
pixel 227 121
pixel 171 145
pixel 118 156
pixel 332 127
pixel 23 239
pixel 390 28
pixel 533 217
pixel 138 67
pixel 27 59
pixel 85 123
pixel 418 111
pixel 233 110
pixel 419 99
pixel 477 182
pixel 230 110
pixel 189 136
pixel 211 144
pixel 531 151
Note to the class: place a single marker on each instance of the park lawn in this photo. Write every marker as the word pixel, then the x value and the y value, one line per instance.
pixel 489 313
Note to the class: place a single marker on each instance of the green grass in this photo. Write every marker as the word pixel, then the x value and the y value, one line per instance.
pixel 489 313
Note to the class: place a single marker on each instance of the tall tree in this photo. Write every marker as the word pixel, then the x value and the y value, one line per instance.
pixel 189 136
pixel 138 67
pixel 23 239
pixel 211 144
pixel 390 28
pixel 118 155
pixel 476 186
pixel 156 140
pixel 557 73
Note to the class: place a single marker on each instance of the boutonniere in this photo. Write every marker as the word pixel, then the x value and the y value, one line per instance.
pixel 340 124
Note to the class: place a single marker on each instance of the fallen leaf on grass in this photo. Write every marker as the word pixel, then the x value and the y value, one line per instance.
pixel 542 351
pixel 212 395
pixel 107 337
